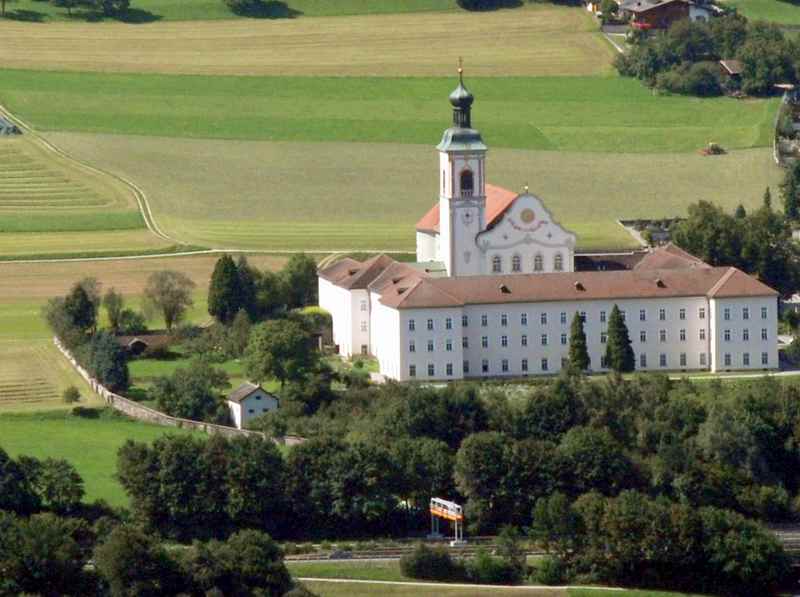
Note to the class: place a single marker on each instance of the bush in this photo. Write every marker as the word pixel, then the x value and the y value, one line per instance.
pixel 429 563
pixel 71 395
pixel 701 79
pixel 550 571
pixel 485 569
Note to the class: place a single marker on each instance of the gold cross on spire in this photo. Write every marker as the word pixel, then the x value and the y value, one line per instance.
pixel 460 70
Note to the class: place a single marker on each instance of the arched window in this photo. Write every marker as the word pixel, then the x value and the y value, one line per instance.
pixel 558 263
pixel 516 263
pixel 497 265
pixel 466 183
pixel 538 263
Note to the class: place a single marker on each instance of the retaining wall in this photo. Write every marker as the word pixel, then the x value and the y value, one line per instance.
pixel 150 415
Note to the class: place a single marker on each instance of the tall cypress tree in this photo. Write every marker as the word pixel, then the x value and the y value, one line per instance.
pixel 578 352
pixel 247 288
pixel 790 192
pixel 619 353
pixel 224 292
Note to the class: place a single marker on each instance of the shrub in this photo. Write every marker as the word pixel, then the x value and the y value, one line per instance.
pixel 429 563
pixel 550 571
pixel 485 569
pixel 71 395
pixel 701 79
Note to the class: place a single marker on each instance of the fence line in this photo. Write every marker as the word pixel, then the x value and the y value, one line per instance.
pixel 145 413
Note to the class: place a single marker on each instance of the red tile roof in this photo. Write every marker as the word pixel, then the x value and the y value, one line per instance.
pixel 669 256
pixel 351 274
pixel 498 200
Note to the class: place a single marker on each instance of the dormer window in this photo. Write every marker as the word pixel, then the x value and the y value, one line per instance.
pixel 467 184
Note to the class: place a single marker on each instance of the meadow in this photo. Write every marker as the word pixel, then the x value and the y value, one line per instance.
pixel 589 114
pixel 784 12
pixel 339 196
pixel 547 40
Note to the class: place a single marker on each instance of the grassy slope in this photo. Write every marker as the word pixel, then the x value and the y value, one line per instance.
pixel 175 10
pixel 547 40
pixel 89 444
pixel 329 589
pixel 282 195
pixel 784 12
pixel 554 113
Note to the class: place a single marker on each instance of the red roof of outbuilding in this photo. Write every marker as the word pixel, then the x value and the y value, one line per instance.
pixel 498 201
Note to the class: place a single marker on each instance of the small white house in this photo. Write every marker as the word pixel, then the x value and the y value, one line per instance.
pixel 249 401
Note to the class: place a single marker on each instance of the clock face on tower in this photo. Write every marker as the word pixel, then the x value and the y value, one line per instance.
pixel 467 216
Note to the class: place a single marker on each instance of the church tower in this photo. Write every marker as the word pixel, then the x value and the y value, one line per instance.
pixel 462 190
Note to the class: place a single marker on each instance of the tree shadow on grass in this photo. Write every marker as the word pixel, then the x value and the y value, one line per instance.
pixel 27 16
pixel 269 9
pixel 133 16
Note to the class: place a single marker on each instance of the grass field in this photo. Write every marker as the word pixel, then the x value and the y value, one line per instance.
pixel 595 114
pixel 547 40
pixel 89 444
pixel 354 195
pixel 784 12
pixel 145 11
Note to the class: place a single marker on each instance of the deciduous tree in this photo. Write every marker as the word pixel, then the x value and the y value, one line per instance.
pixel 280 349
pixel 114 304
pixel 170 294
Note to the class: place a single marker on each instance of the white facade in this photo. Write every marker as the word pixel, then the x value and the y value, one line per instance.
pixel 350 310
pixel 254 405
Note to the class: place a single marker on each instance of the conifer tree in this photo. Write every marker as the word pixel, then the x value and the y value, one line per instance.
pixel 740 213
pixel 619 353
pixel 767 199
pixel 247 288
pixel 790 192
pixel 578 352
pixel 224 292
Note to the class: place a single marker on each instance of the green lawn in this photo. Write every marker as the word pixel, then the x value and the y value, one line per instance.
pixel 174 10
pixel 594 114
pixel 784 12
pixel 89 444
pixel 356 570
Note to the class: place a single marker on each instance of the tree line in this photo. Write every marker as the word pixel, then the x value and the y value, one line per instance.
pixel 684 58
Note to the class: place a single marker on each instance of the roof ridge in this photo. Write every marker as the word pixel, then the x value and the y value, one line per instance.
pixel 722 281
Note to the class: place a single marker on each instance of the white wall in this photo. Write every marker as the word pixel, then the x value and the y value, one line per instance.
pixel 737 347
pixel 255 405
pixel 384 335
pixel 420 357
pixel 427 246
pixel 236 413
pixel 338 303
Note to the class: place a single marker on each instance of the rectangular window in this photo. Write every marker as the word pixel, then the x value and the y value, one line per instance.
pixel 642 315
pixel 662 335
pixel 545 365
pixel 251 411
pixel 624 315
pixel 448 345
pixel 764 358
pixel 563 339
pixel 464 321
pixel 702 333
pixel 603 337
pixel 763 312
pixel 504 365
pixel 524 365
pixel 682 314
pixel 363 326
pixel 726 314
pixel 430 324
pixel 430 345
pixel 602 316
pixel 745 312
pixel 642 361
pixel 464 342
pixel 412 346
pixel 431 370
pixel 523 319
pixel 543 318
pixel 727 359
pixel 485 366
pixel 662 314
pixel 465 365
pixel 701 313
pixel 448 369
pixel 523 340
pixel 642 336
pixel 484 341
pixel 682 335
pixel 564 362
pixel 745 334
pixel 763 333
pixel 484 320
pixel 504 319
pixel 662 360
pixel 583 316
pixel 411 325
pixel 746 359
pixel 726 334
pixel 504 341
pixel 544 339
pixel 412 370
pixel 702 359
pixel 682 359
pixel 363 305
pixel 448 323
pixel 603 362
pixel 563 318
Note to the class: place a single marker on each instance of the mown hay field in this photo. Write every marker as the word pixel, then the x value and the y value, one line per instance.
pixel 594 114
pixel 341 196
pixel 534 40
pixel 776 11
pixel 147 11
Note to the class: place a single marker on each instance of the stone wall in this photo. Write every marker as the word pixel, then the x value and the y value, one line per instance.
pixel 145 413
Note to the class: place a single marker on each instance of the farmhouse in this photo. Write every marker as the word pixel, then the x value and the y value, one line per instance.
pixel 249 401
pixel 495 289
pixel 660 14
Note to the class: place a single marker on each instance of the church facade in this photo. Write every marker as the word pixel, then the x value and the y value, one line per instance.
pixel 495 288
